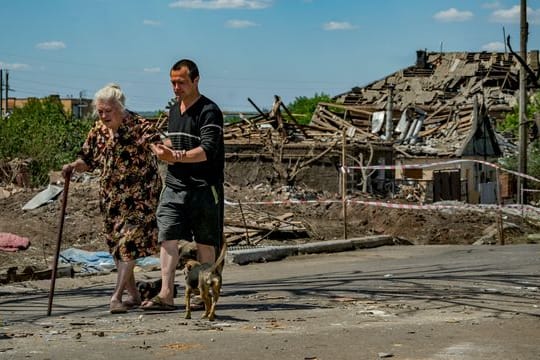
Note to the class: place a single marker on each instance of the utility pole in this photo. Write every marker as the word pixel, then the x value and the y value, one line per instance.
pixel 523 123
pixel 1 89
pixel 389 113
pixel 7 90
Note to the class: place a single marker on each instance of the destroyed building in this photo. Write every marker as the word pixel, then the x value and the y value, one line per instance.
pixel 271 147
pixel 443 107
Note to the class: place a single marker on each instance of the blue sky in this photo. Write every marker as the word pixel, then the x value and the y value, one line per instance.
pixel 244 48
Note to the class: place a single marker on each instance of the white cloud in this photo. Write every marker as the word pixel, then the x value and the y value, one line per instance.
pixel 14 66
pixel 239 24
pixel 336 25
pixel 512 15
pixel 51 45
pixel 222 4
pixel 494 46
pixel 152 70
pixel 506 15
pixel 453 15
pixel 151 22
pixel 492 5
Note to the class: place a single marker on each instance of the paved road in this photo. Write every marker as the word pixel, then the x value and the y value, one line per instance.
pixel 398 302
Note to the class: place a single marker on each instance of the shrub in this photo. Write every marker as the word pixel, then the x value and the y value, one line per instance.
pixel 41 131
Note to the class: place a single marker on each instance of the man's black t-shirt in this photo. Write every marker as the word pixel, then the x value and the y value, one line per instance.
pixel 201 125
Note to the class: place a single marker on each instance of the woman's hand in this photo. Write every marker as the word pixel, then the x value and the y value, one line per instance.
pixel 77 165
pixel 67 170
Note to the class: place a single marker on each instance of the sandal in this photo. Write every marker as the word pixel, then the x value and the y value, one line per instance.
pixel 117 307
pixel 157 303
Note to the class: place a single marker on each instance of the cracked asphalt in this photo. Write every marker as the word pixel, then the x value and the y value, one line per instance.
pixel 398 302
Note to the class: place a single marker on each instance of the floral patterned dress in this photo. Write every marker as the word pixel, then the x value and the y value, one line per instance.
pixel 130 184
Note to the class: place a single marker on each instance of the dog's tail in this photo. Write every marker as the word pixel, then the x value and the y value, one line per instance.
pixel 220 260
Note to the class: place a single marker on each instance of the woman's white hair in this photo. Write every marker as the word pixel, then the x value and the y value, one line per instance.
pixel 110 93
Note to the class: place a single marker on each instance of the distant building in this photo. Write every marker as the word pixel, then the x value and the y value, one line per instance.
pixel 78 107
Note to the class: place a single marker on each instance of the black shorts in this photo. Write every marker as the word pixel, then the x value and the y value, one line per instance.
pixel 192 215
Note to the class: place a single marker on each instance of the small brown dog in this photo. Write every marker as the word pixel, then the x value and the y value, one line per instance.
pixel 207 279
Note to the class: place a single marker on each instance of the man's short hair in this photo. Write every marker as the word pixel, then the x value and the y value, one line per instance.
pixel 191 66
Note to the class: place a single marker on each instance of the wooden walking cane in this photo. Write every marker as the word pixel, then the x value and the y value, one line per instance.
pixel 59 238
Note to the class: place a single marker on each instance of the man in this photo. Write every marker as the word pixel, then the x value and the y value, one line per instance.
pixel 191 204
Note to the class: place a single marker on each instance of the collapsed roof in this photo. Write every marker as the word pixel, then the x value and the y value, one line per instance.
pixel 452 78
pixel 433 103
pixel 445 105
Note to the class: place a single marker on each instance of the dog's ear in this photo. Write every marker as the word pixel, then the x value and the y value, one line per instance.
pixel 190 264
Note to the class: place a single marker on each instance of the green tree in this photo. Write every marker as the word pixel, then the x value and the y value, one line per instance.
pixel 303 107
pixel 42 132
pixel 511 125
pixel 511 121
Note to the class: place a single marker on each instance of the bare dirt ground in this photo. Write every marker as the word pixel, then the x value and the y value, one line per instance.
pixel 321 221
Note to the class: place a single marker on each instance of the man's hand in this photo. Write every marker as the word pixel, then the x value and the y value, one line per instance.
pixel 164 153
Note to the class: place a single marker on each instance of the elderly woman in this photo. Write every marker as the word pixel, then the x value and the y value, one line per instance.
pixel 118 145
